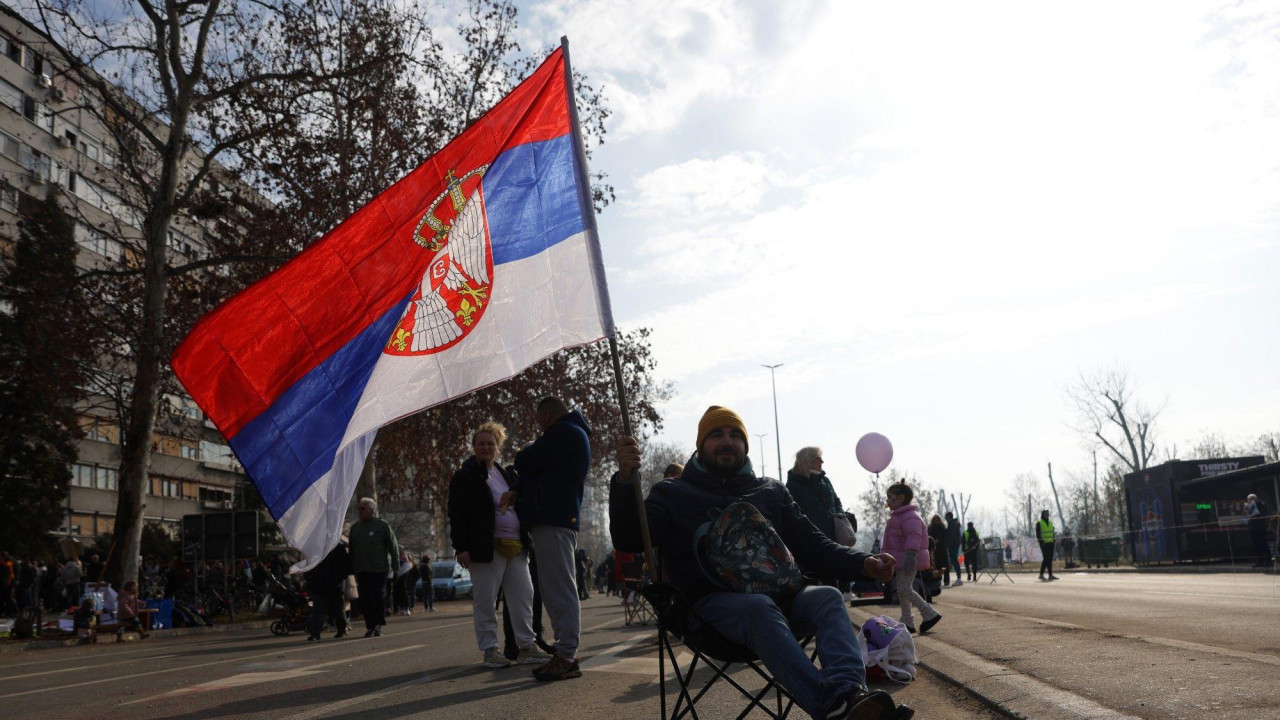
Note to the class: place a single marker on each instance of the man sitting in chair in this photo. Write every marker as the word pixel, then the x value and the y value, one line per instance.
pixel 718 474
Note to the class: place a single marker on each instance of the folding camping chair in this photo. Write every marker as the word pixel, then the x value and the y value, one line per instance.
pixel 712 650
pixel 632 579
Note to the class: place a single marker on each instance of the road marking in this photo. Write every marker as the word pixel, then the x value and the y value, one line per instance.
pixel 1168 642
pixel 255 678
pixel 368 697
pixel 129 676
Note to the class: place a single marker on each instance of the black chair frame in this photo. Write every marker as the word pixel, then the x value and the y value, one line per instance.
pixel 634 604
pixel 712 650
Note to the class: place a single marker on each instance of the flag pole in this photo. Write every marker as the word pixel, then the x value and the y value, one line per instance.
pixel 602 295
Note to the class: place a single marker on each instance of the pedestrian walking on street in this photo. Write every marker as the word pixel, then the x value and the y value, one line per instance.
pixel 972 552
pixel 406 577
pixel 373 549
pixel 1044 533
pixel 428 586
pixel 485 533
pixel 953 546
pixel 906 539
pixel 938 547
pixel 553 472
pixel 720 473
pixel 324 588
pixel 1256 511
pixel 72 577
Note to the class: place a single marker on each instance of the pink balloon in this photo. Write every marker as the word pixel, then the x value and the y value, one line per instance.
pixel 875 452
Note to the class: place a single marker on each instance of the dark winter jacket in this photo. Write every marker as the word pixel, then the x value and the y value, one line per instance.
pixel 332 570
pixel 817 499
pixel 678 506
pixel 953 533
pixel 553 470
pixel 938 533
pixel 471 509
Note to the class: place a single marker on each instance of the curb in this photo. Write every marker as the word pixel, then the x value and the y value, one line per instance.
pixel 169 633
pixel 1001 688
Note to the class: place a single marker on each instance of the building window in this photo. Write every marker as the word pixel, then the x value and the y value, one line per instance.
pixel 94 477
pixel 166 487
pixel 190 452
pixel 96 428
pixel 35 161
pixel 8 198
pixel 10 146
pixel 32 61
pixel 96 241
pixel 11 48
pixel 218 455
pixel 11 96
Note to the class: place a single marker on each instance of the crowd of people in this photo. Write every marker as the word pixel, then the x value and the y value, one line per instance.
pixel 514 527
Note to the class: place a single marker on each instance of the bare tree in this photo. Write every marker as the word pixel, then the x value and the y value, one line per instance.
pixel 873 512
pixel 1026 487
pixel 657 456
pixel 162 77
pixel 1109 413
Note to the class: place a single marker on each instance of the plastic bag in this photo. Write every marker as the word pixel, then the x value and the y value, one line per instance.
pixel 845 534
pixel 891 651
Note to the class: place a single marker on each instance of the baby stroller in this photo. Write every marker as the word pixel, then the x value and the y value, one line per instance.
pixel 296 608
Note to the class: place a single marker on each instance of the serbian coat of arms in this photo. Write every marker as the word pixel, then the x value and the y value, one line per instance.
pixel 454 292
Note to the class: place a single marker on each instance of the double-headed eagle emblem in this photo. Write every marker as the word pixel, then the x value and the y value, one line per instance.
pixel 455 287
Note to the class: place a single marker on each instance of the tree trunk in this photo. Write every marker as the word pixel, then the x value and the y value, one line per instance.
pixel 135 460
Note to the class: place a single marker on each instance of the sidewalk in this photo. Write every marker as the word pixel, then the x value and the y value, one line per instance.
pixel 57 639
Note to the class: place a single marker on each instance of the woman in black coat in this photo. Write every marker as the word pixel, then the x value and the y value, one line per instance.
pixel 485 533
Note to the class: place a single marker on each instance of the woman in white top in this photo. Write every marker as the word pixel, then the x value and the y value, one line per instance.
pixel 485 533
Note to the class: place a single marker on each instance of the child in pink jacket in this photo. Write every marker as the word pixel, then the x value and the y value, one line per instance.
pixel 907 540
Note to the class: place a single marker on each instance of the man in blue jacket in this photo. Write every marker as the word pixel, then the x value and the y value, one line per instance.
pixel 718 474
pixel 553 471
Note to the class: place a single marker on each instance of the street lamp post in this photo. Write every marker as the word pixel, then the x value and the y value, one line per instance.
pixel 760 441
pixel 776 435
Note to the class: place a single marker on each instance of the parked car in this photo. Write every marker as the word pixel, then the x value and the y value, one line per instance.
pixel 449 580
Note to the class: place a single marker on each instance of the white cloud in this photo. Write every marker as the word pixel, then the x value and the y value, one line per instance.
pixel 657 59
pixel 934 217
pixel 697 190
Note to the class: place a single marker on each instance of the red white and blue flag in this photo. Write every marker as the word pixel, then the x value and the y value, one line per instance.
pixel 477 264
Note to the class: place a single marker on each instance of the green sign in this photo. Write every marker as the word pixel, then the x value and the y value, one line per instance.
pixel 1204 506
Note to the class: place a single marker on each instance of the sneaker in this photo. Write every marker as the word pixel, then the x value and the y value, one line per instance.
pixel 912 629
pixel 313 637
pixel 959 582
pixel 368 633
pixel 927 625
pixel 340 634
pixel 558 669
pixel 493 658
pixel 532 656
pixel 377 632
pixel 864 705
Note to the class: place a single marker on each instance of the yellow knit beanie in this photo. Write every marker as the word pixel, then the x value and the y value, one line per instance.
pixel 718 417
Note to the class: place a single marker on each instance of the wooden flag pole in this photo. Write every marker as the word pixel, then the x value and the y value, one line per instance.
pixel 589 220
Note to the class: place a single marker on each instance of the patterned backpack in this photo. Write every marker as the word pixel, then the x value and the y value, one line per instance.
pixel 739 551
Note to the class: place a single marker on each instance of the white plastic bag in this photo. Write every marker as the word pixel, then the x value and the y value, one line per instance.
pixel 890 648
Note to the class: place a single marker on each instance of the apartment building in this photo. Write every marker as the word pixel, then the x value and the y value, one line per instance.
pixel 49 138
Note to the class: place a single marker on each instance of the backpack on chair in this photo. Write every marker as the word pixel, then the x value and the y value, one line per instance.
pixel 739 551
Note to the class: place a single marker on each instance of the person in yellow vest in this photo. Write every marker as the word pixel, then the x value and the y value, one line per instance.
pixel 1044 533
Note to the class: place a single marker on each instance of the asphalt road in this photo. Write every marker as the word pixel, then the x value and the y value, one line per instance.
pixel 1144 645
pixel 425 665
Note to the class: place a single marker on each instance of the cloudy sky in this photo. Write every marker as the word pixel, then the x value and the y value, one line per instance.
pixel 934 216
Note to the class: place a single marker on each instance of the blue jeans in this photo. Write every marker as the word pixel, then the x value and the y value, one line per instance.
pixel 757 622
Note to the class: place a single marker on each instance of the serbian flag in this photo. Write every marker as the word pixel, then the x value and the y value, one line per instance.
pixel 476 265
